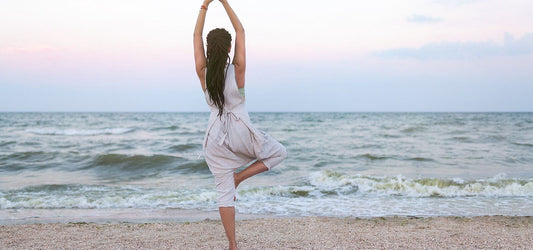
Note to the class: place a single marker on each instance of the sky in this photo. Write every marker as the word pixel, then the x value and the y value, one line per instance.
pixel 337 55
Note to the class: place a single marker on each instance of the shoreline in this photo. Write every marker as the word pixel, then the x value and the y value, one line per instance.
pixel 112 216
pixel 275 232
pixel 167 215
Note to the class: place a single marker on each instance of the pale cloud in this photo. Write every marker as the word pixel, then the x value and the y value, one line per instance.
pixel 423 19
pixel 25 50
pixel 463 50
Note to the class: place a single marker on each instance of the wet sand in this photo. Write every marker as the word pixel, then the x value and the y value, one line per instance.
pixel 281 233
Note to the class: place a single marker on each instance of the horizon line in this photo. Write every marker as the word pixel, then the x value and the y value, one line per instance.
pixel 508 111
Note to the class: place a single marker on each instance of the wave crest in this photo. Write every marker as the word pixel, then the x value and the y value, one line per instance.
pixel 423 187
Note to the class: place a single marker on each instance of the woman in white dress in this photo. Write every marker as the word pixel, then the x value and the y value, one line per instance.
pixel 231 141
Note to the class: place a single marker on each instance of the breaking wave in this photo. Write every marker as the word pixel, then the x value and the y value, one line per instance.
pixel 319 187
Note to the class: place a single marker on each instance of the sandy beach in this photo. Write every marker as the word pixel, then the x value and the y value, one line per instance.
pixel 281 233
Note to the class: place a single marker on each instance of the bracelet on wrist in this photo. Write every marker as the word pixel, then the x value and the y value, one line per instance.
pixel 203 7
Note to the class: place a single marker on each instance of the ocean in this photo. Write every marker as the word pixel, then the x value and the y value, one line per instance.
pixel 339 164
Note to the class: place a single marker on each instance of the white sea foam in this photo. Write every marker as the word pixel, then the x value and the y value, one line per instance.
pixel 105 131
pixel 422 187
pixel 326 191
pixel 329 193
pixel 103 197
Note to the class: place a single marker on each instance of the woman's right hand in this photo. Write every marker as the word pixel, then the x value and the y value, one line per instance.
pixel 207 2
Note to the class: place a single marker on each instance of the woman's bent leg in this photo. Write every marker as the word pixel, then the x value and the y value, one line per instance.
pixel 273 155
pixel 227 215
pixel 256 168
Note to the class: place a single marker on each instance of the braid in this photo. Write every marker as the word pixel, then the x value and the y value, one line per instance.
pixel 218 42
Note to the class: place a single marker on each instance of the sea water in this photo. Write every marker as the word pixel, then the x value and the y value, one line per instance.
pixel 339 164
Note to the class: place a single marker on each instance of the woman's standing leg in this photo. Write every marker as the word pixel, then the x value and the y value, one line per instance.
pixel 227 215
pixel 226 205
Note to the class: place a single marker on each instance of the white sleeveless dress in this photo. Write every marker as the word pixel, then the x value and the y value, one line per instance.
pixel 231 141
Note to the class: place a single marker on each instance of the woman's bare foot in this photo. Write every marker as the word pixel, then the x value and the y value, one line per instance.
pixel 236 179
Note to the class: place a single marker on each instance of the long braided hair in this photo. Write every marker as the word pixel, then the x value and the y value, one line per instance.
pixel 218 43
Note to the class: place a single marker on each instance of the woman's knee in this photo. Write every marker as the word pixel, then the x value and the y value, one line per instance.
pixel 276 158
pixel 280 153
pixel 283 152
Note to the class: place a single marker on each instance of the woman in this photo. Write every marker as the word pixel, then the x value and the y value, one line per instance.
pixel 231 141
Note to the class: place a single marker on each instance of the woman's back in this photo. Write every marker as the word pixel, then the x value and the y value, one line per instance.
pixel 233 100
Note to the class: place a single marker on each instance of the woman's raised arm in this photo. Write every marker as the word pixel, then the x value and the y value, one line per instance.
pixel 239 59
pixel 199 52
